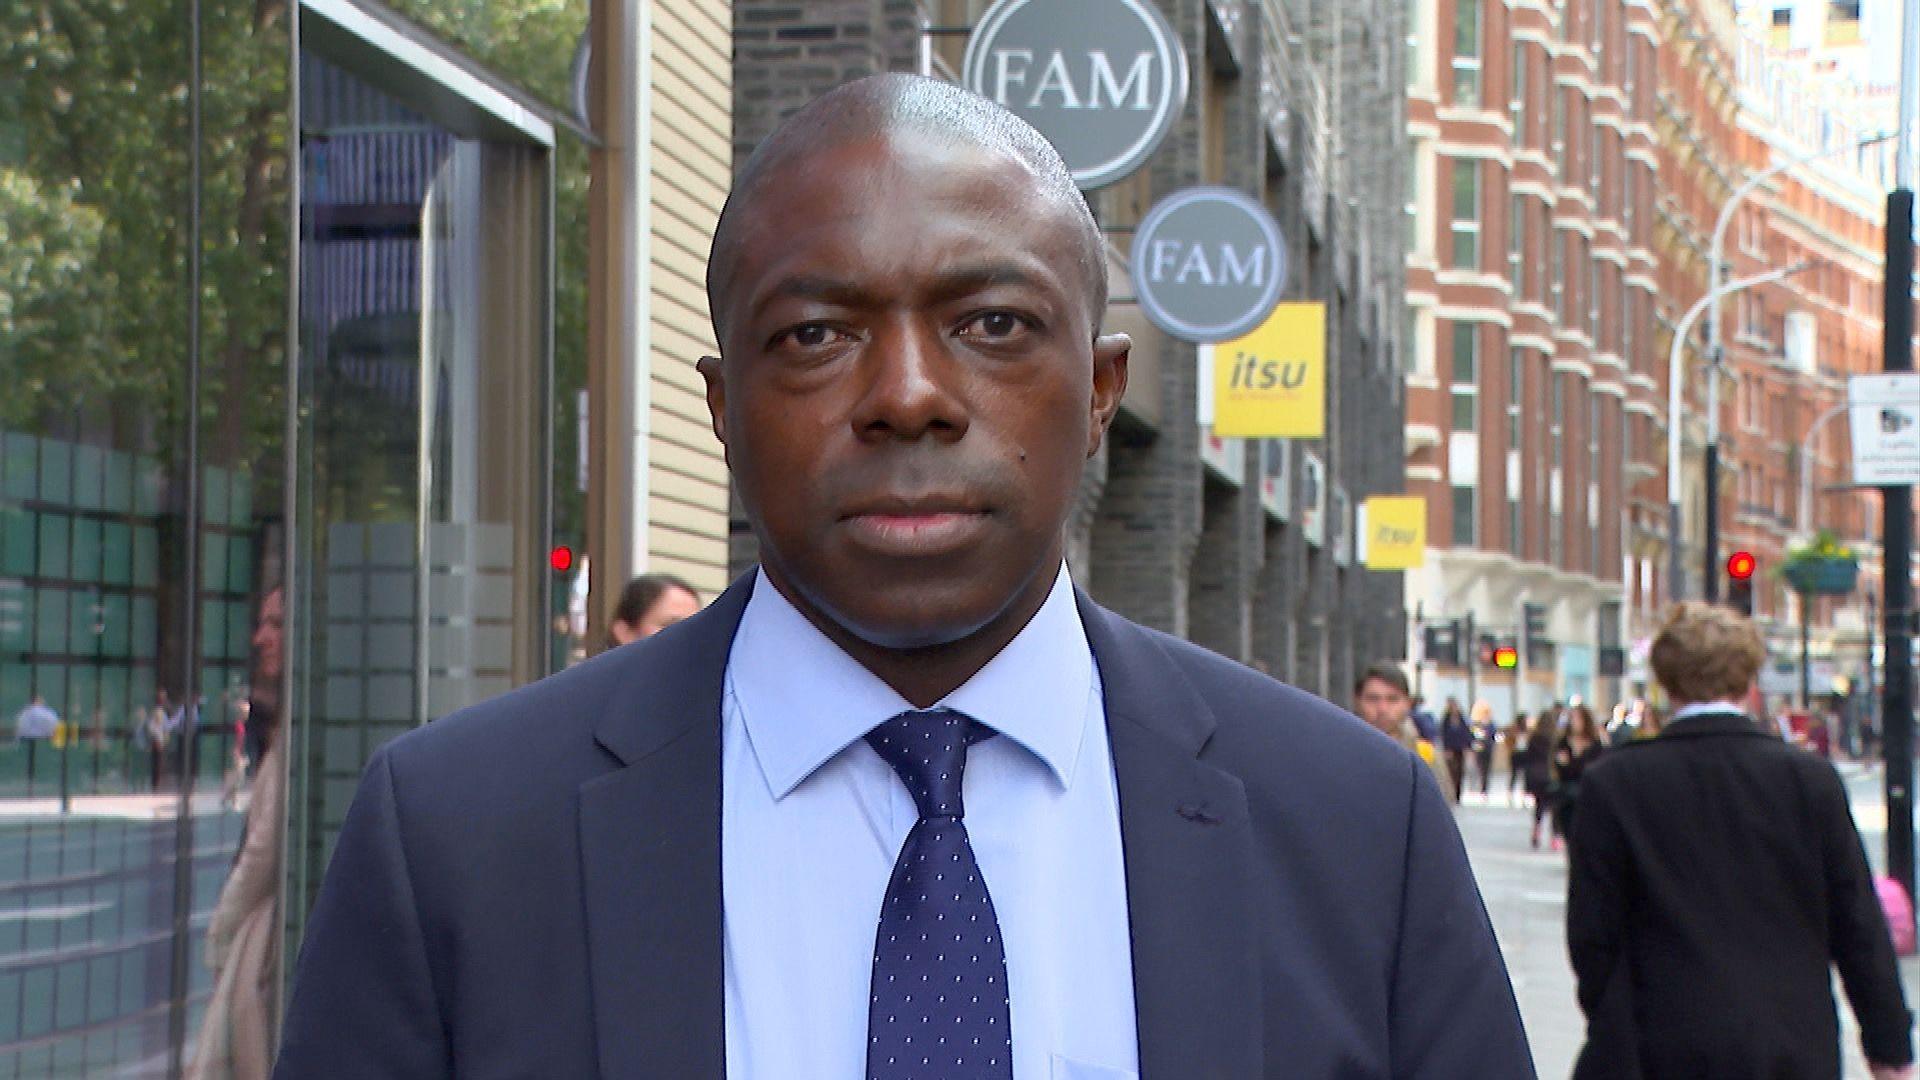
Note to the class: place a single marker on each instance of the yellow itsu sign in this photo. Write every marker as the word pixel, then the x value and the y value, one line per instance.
pixel 1272 383
pixel 1395 532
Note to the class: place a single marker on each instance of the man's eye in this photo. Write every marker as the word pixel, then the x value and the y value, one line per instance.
pixel 994 325
pixel 812 335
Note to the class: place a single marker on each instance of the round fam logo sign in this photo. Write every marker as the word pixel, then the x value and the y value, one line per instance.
pixel 1208 264
pixel 1103 80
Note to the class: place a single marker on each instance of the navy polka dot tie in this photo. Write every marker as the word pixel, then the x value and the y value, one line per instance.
pixel 939 1007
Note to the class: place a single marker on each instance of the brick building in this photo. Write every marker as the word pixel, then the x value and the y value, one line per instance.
pixel 1532 406
pixel 1245 547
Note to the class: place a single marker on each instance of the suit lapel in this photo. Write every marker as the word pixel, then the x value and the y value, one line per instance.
pixel 1187 842
pixel 650 852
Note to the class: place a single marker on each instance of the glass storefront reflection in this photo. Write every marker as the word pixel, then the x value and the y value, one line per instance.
pixel 425 365
pixel 141 426
pixel 196 658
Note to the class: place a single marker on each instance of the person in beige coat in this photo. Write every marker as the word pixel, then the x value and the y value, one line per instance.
pixel 243 938
pixel 1381 698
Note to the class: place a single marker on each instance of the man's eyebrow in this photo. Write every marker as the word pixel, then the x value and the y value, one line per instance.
pixel 957 280
pixel 814 287
pixel 969 277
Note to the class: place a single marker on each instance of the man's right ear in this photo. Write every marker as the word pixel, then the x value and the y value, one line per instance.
pixel 712 369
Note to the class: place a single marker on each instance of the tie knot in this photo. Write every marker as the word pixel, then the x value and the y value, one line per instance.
pixel 928 748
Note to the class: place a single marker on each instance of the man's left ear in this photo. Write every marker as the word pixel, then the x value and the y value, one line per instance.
pixel 1110 355
pixel 710 369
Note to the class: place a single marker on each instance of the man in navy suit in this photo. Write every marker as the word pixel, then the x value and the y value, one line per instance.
pixel 904 802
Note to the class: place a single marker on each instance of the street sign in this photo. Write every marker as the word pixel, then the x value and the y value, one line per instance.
pixel 1884 415
pixel 1394 530
pixel 1103 80
pixel 1208 264
pixel 1272 383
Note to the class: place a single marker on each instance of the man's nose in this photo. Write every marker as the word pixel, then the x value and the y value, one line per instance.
pixel 913 385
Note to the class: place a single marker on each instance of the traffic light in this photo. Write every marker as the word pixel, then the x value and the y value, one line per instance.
pixel 560 558
pixel 1443 643
pixel 1506 658
pixel 1533 634
pixel 1740 568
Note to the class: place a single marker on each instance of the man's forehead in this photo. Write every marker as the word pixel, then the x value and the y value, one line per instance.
pixel 939 202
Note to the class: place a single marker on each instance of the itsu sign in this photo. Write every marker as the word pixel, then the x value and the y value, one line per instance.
pixel 1208 264
pixel 1103 80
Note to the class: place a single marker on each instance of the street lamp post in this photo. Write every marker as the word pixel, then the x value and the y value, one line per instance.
pixel 1675 398
pixel 1716 273
pixel 1807 453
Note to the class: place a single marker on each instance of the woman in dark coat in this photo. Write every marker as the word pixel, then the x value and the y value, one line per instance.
pixel 1572 756
pixel 1535 763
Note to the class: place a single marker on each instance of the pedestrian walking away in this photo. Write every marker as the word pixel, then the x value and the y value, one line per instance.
pixel 1715 881
pixel 1538 769
pixel 1456 739
pixel 1486 740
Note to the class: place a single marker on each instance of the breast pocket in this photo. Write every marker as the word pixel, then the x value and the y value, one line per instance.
pixel 1068 1069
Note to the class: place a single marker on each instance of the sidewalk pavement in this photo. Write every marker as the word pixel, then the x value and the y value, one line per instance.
pixel 1526 892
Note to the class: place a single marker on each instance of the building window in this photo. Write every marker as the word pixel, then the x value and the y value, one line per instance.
pixel 1466 214
pixel 1593 165
pixel 1516 240
pixel 1412 206
pixel 1466 53
pixel 1464 505
pixel 1518 103
pixel 1515 541
pixel 1558 427
pixel 1466 376
pixel 1556 274
pixel 1843 11
pixel 1783 17
pixel 1516 388
pixel 1559 119
pixel 1593 470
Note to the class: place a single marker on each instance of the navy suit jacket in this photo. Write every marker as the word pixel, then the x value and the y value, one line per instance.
pixel 531 888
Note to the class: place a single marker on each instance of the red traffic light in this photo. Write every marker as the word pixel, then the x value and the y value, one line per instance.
pixel 1506 657
pixel 1740 565
pixel 560 558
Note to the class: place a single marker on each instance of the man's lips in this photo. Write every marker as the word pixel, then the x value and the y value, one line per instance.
pixel 909 527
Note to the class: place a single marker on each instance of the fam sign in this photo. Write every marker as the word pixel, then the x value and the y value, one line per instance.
pixel 1208 264
pixel 1103 80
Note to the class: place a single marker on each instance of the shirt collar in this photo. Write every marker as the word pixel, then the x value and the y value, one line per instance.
pixel 1704 708
pixel 803 700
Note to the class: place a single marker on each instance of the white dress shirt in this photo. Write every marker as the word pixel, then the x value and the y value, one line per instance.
pixel 812 821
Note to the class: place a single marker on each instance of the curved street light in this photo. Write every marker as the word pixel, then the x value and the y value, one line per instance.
pixel 1675 385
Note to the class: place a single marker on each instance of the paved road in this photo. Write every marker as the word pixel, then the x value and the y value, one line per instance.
pixel 1525 892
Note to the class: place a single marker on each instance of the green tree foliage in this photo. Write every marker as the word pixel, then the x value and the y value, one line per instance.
pixel 97 213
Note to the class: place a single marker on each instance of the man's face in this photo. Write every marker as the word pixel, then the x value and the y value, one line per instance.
pixel 910 385
pixel 1383 705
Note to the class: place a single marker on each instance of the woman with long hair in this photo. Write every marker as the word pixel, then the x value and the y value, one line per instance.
pixel 1456 741
pixel 1537 768
pixel 1572 756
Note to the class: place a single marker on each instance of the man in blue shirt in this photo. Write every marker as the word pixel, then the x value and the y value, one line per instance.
pixel 903 802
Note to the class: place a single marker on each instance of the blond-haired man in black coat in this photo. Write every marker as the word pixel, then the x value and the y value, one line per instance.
pixel 1715 881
